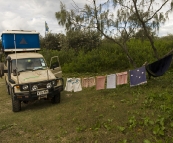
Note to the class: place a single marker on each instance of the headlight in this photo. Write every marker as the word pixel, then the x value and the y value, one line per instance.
pixel 25 87
pixel 35 87
pixel 49 85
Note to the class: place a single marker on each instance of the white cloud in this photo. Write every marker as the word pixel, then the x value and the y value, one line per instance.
pixel 167 28
pixel 32 14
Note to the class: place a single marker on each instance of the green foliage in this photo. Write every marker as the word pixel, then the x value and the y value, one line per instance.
pixel 0 45
pixel 123 19
pixel 65 56
pixel 104 58
pixel 85 39
pixel 141 50
pixel 1 56
pixel 52 41
pixel 108 56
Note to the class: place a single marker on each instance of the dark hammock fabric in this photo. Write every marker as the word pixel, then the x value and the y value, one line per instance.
pixel 158 68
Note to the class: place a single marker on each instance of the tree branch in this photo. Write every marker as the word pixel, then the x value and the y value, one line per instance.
pixel 157 11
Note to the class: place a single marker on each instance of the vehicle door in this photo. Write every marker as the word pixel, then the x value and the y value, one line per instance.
pixel 55 66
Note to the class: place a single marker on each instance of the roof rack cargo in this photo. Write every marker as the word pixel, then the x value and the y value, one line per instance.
pixel 20 40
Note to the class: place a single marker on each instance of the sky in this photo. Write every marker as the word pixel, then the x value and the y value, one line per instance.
pixel 32 14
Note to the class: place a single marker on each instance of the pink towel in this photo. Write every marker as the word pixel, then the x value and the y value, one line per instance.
pixel 91 81
pixel 85 82
pixel 121 78
pixel 100 82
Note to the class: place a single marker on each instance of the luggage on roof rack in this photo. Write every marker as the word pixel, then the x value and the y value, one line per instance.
pixel 20 40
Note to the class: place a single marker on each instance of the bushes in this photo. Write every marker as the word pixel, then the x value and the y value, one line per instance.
pixel 108 56
pixel 65 56
pixel 141 51
pixel 105 58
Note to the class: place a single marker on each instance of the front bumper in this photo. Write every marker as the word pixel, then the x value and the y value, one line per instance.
pixel 33 95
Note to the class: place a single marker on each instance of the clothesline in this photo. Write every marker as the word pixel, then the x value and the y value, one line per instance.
pixel 136 76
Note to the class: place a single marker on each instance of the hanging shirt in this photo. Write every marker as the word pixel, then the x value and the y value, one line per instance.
pixel 77 85
pixel 111 81
pixel 69 85
pixel 137 76
pixel 100 82
pixel 73 84
pixel 121 78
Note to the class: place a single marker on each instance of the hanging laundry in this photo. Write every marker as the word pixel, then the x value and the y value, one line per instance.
pixel 111 81
pixel 100 82
pixel 121 78
pixel 91 81
pixel 73 84
pixel 85 82
pixel 77 85
pixel 88 82
pixel 137 76
pixel 69 85
pixel 159 67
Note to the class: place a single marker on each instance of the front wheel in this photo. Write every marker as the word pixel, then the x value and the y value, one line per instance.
pixel 56 98
pixel 16 104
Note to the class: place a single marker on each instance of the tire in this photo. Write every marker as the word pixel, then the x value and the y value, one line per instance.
pixel 56 98
pixel 16 104
pixel 8 88
pixel 0 56
pixel 1 70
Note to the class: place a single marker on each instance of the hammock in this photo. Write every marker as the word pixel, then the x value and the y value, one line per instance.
pixel 158 68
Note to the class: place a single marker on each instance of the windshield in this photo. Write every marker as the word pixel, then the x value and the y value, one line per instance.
pixel 29 64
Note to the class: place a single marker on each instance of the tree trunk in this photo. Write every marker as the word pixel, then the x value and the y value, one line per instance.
pixel 145 29
pixel 151 41
pixel 132 62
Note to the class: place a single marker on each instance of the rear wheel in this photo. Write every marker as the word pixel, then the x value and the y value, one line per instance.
pixel 8 88
pixel 56 98
pixel 1 70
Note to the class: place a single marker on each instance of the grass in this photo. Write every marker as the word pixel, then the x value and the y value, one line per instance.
pixel 141 114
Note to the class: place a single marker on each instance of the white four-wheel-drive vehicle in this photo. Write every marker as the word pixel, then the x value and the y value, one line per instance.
pixel 26 72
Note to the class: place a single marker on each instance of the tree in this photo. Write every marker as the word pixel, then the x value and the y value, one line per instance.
pixel 0 51
pixel 117 20
pixel 52 41
pixel 83 39
pixel 148 15
pixel 98 18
